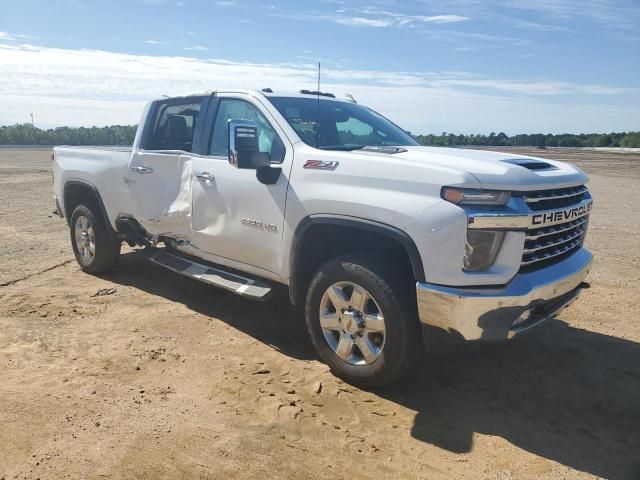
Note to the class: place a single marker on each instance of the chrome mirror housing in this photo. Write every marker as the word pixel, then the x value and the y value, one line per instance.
pixel 244 151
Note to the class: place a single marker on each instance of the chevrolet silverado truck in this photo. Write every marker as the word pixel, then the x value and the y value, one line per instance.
pixel 387 244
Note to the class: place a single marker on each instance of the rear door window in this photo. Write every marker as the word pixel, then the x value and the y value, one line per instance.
pixel 174 124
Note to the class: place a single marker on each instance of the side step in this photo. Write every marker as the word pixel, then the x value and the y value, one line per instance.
pixel 250 288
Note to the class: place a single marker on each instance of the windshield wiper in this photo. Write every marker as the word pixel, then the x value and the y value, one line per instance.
pixel 342 148
pixel 390 149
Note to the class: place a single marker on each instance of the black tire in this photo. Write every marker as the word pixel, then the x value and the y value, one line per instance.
pixel 393 290
pixel 106 243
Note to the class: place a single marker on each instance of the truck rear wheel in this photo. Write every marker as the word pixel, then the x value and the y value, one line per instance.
pixel 362 320
pixel 95 247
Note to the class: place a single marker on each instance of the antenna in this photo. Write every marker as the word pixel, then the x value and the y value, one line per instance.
pixel 318 110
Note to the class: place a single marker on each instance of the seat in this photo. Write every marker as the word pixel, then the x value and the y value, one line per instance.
pixel 328 133
pixel 177 134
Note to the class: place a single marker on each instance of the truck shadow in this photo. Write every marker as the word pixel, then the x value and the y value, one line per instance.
pixel 273 322
pixel 569 395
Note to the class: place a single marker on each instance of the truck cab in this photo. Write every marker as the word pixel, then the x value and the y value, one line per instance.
pixel 384 242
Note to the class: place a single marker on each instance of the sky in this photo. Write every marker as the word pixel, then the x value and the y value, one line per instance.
pixel 432 66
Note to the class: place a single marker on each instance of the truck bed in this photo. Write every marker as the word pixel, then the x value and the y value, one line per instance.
pixel 100 167
pixel 115 148
pixel 82 150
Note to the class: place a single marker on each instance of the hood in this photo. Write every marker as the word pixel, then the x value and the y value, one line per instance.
pixel 495 170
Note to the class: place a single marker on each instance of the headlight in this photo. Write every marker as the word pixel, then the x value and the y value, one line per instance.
pixel 481 249
pixel 469 196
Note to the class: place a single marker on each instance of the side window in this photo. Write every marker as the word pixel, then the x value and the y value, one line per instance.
pixel 231 108
pixel 174 125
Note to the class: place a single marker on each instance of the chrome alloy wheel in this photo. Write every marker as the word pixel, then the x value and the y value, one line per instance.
pixel 85 239
pixel 352 323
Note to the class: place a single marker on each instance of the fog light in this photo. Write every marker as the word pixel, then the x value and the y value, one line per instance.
pixel 481 249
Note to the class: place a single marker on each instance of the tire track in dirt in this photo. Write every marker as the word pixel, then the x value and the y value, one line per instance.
pixel 34 274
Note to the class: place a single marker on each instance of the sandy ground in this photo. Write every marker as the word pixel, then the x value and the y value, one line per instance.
pixel 169 378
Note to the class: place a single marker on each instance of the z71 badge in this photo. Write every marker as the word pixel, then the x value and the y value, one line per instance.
pixel 321 165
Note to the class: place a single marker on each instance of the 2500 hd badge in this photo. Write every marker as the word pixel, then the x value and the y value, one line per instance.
pixel 561 216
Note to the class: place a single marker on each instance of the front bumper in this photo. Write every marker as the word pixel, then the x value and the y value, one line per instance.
pixel 498 313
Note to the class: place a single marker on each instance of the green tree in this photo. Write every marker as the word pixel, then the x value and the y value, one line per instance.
pixel 27 134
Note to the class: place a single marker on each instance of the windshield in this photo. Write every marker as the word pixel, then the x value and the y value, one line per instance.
pixel 341 125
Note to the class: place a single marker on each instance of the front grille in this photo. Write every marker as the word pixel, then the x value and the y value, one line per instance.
pixel 558 198
pixel 548 245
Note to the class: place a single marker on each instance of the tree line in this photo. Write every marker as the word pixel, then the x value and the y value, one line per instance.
pixel 27 134
pixel 540 140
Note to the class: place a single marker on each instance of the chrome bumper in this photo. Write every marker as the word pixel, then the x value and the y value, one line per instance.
pixel 498 313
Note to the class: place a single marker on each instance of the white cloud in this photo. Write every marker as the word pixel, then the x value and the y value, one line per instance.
pixel 372 17
pixel 534 88
pixel 155 42
pixel 605 11
pixel 13 37
pixel 228 3
pixel 614 14
pixel 368 22
pixel 542 27
pixel 198 48
pixel 439 18
pixel 476 41
pixel 87 87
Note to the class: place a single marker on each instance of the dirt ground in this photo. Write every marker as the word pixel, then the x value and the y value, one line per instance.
pixel 169 378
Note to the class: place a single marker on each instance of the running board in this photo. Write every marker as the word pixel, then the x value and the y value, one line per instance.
pixel 250 288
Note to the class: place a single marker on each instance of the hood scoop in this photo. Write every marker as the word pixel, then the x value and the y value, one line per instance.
pixel 530 164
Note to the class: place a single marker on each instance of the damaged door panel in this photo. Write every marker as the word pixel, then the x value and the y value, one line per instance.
pixel 160 185
pixel 159 176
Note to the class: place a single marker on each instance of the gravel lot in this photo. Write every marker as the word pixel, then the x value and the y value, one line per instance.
pixel 169 378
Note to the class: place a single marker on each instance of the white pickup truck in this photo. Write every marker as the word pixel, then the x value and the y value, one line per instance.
pixel 383 241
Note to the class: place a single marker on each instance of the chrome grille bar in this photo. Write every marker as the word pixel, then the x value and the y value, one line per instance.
pixel 555 230
pixel 546 256
pixel 562 240
pixel 541 197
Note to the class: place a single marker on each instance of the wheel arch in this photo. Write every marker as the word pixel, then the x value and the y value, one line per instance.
pixel 77 191
pixel 304 260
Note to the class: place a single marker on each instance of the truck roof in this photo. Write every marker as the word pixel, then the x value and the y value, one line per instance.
pixel 268 92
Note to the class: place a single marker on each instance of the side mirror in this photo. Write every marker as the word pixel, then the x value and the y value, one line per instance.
pixel 243 146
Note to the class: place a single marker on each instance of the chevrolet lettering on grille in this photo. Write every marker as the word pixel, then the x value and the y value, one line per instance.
pixel 561 216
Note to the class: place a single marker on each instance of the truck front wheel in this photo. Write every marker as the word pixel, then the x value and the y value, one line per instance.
pixel 96 248
pixel 362 320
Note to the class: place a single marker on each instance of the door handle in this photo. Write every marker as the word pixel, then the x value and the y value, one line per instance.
pixel 142 169
pixel 205 177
